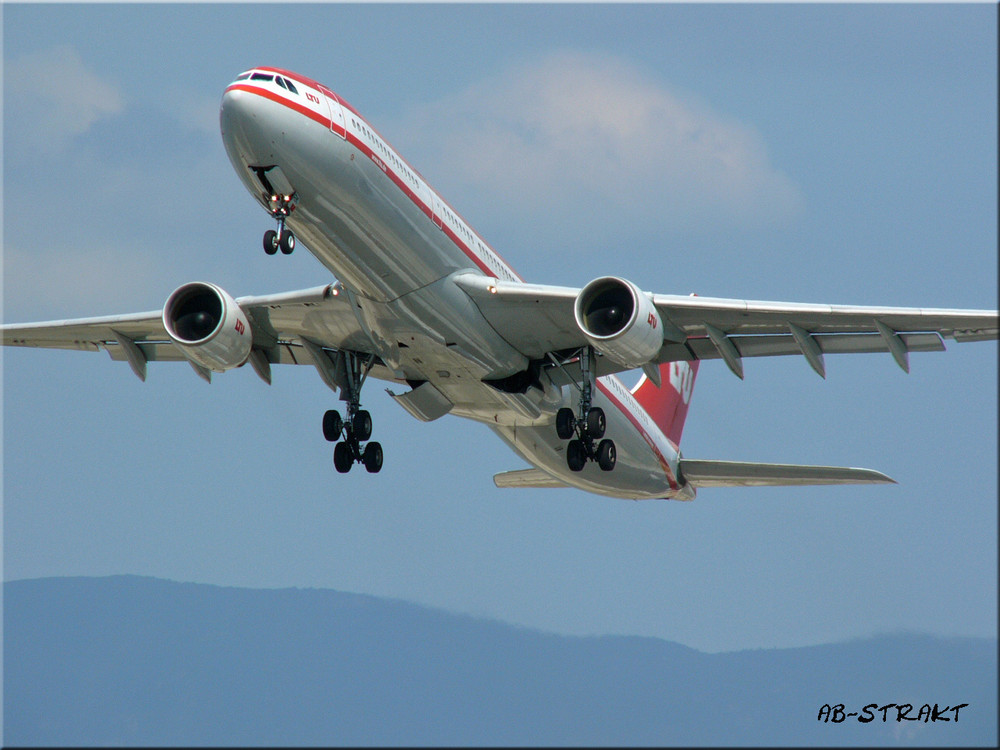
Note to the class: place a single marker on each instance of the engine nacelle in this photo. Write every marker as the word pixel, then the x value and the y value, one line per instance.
pixel 619 321
pixel 208 326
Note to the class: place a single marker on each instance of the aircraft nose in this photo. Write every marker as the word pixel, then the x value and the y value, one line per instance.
pixel 243 132
pixel 234 108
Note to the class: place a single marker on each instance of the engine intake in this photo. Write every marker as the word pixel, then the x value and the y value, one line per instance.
pixel 619 321
pixel 207 325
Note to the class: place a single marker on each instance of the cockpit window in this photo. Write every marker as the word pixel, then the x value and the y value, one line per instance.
pixel 280 81
pixel 261 77
pixel 291 86
pixel 242 76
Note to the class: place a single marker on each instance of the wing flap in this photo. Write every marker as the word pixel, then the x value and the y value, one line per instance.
pixel 88 334
pixel 538 319
pixel 774 346
pixel 707 473
pixel 748 317
pixel 280 323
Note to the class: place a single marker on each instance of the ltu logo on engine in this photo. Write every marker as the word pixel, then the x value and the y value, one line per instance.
pixel 240 327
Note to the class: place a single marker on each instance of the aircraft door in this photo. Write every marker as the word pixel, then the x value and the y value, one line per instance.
pixel 435 205
pixel 337 123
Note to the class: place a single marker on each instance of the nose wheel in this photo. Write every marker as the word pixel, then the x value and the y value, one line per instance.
pixel 283 240
pixel 280 208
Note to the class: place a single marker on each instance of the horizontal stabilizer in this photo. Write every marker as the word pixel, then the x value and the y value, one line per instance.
pixel 526 478
pixel 744 474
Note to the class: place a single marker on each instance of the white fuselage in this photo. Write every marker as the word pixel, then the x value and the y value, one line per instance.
pixel 374 222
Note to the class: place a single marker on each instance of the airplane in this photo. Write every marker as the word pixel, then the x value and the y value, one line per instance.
pixel 423 302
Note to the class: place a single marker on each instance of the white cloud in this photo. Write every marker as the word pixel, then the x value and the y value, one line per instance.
pixel 592 132
pixel 51 97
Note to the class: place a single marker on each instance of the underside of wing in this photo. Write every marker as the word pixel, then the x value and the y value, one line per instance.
pixel 539 319
pixel 302 327
pixel 702 473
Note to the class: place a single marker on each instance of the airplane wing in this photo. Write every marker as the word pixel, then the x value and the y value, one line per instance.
pixel 301 327
pixel 538 319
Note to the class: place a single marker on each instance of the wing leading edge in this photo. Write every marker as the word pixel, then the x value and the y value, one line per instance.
pixel 538 319
pixel 288 328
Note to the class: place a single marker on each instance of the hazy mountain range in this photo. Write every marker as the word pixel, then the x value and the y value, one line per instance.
pixel 126 660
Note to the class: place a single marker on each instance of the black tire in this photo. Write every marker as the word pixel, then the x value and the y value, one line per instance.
pixel 576 456
pixel 343 458
pixel 270 242
pixel 287 242
pixel 607 455
pixel 564 423
pixel 597 423
pixel 361 426
pixel 373 457
pixel 333 424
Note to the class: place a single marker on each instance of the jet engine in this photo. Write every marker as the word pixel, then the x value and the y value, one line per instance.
pixel 208 326
pixel 619 321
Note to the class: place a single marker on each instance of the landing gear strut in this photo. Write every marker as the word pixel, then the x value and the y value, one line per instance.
pixel 357 428
pixel 588 425
pixel 281 207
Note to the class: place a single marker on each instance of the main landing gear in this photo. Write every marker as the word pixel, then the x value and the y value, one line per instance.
pixel 281 207
pixel 357 427
pixel 588 427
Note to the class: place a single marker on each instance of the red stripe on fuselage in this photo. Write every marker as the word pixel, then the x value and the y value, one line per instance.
pixel 427 210
pixel 363 147
pixel 642 431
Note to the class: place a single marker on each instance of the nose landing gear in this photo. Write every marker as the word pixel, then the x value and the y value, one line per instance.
pixel 282 239
pixel 280 199
pixel 281 207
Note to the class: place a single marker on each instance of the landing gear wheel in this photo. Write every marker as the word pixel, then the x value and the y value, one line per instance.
pixel 343 457
pixel 372 457
pixel 607 455
pixel 287 242
pixel 576 455
pixel 596 423
pixel 564 423
pixel 361 425
pixel 270 242
pixel 333 424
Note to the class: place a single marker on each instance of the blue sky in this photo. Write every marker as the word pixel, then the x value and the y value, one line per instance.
pixel 813 153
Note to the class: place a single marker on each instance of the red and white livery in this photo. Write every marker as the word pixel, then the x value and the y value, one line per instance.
pixel 424 302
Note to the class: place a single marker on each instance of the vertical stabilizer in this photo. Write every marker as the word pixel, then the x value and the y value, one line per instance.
pixel 668 404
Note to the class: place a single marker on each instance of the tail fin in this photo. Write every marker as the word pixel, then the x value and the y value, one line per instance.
pixel 668 404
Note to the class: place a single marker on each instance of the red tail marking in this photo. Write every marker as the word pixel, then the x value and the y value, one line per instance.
pixel 668 404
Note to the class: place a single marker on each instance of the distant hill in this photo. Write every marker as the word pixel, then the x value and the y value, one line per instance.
pixel 126 660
